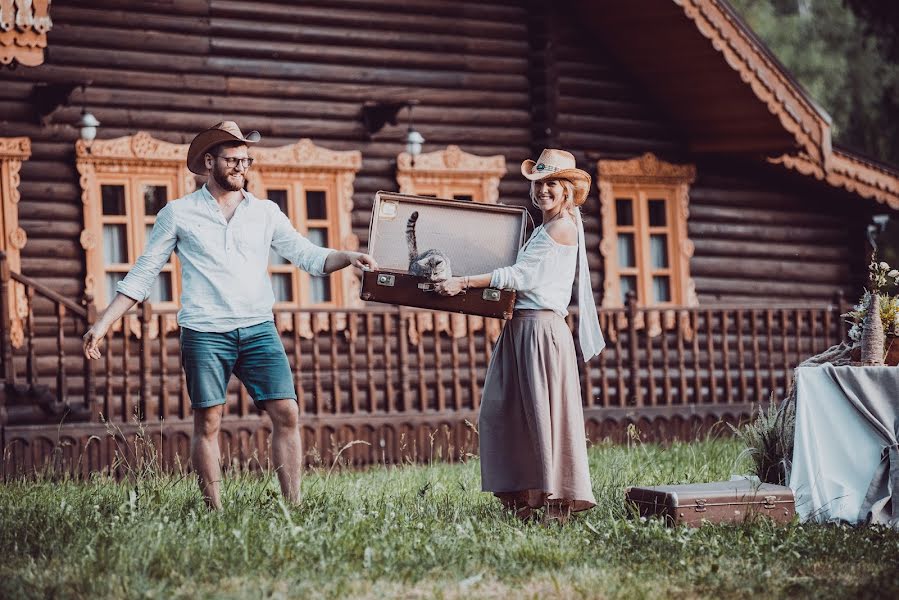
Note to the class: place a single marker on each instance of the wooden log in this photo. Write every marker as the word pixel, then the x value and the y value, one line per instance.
pixel 771 233
pixel 747 249
pixel 118 38
pixel 760 269
pixel 745 215
pixel 160 20
pixel 405 58
pixel 369 19
pixel 366 38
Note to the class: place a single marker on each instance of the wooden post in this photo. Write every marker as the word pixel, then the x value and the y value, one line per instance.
pixel 90 400
pixel 144 316
pixel 636 391
pixel 9 369
pixel 61 385
pixel 403 359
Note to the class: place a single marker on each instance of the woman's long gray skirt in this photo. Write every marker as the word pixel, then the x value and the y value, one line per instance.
pixel 532 440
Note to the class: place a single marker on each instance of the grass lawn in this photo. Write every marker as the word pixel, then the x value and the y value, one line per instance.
pixel 415 532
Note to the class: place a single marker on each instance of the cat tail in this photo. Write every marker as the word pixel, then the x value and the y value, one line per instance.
pixel 410 236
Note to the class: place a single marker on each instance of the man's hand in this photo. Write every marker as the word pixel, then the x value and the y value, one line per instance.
pixel 362 261
pixel 452 286
pixel 92 339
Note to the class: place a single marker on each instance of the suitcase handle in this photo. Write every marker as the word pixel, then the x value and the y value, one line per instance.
pixel 427 287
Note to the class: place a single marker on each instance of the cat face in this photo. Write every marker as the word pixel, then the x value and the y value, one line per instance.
pixel 434 268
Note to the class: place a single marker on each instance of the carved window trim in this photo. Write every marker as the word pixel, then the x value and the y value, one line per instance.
pixel 122 160
pixel 302 167
pixel 450 173
pixel 637 177
pixel 13 151
pixel 23 31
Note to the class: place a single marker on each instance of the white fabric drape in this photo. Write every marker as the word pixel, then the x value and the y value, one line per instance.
pixel 589 334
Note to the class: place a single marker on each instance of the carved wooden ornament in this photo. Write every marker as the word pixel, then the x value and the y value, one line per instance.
pixel 445 173
pixel 12 152
pixel 23 31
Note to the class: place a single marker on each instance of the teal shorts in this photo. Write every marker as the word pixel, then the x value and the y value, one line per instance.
pixel 255 354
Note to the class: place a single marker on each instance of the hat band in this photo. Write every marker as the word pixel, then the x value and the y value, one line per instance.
pixel 545 168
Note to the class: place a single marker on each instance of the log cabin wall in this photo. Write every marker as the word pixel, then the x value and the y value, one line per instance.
pixel 494 78
pixel 491 77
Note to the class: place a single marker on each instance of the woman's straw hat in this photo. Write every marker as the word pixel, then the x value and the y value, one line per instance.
pixel 558 164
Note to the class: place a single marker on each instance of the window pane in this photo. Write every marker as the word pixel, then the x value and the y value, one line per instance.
pixel 115 244
pixel 624 211
pixel 626 253
pixel 465 197
pixel 316 205
pixel 275 259
pixel 162 288
pixel 155 197
pixel 281 286
pixel 657 217
pixel 661 288
pixel 318 236
pixel 113 199
pixel 628 284
pixel 279 197
pixel 658 250
pixel 111 280
pixel 320 289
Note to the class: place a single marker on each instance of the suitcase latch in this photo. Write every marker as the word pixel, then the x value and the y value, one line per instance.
pixel 700 505
pixel 386 279
pixel 769 501
pixel 491 295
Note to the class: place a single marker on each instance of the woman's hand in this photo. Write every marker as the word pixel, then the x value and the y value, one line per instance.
pixel 452 286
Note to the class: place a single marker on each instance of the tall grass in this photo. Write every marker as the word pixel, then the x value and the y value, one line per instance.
pixel 415 531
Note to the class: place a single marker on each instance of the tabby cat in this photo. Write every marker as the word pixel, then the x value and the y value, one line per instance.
pixel 432 264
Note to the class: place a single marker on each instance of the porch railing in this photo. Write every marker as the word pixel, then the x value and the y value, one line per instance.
pixel 384 361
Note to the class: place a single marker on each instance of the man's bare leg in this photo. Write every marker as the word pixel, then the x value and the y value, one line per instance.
pixel 205 455
pixel 287 454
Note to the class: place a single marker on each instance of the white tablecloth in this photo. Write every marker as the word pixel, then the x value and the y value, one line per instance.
pixel 837 449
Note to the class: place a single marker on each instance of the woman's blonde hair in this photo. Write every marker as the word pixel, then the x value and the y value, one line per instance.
pixel 569 195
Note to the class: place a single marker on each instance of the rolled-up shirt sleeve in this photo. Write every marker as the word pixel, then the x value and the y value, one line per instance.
pixel 291 245
pixel 525 274
pixel 139 280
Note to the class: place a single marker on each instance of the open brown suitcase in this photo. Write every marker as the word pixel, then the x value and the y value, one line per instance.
pixel 715 502
pixel 477 238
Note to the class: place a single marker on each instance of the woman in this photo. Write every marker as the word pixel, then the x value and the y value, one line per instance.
pixel 532 440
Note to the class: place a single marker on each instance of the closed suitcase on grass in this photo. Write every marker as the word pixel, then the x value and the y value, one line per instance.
pixel 715 502
pixel 476 238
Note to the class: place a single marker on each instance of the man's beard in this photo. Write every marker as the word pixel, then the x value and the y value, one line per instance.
pixel 221 178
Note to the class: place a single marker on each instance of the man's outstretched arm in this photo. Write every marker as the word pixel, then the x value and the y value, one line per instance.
pixel 343 258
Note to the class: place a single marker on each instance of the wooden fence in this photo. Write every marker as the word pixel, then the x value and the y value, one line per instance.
pixel 405 382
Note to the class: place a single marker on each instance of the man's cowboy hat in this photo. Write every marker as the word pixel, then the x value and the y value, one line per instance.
pixel 226 131
pixel 558 164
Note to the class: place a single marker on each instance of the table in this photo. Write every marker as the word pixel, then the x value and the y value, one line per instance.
pixel 845 455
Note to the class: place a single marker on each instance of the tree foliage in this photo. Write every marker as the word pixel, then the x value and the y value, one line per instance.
pixel 843 62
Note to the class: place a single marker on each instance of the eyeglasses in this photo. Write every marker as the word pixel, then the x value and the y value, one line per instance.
pixel 232 161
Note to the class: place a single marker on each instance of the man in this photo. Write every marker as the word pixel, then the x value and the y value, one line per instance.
pixel 222 235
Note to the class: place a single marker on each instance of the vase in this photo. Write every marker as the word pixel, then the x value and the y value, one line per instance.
pixel 872 334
